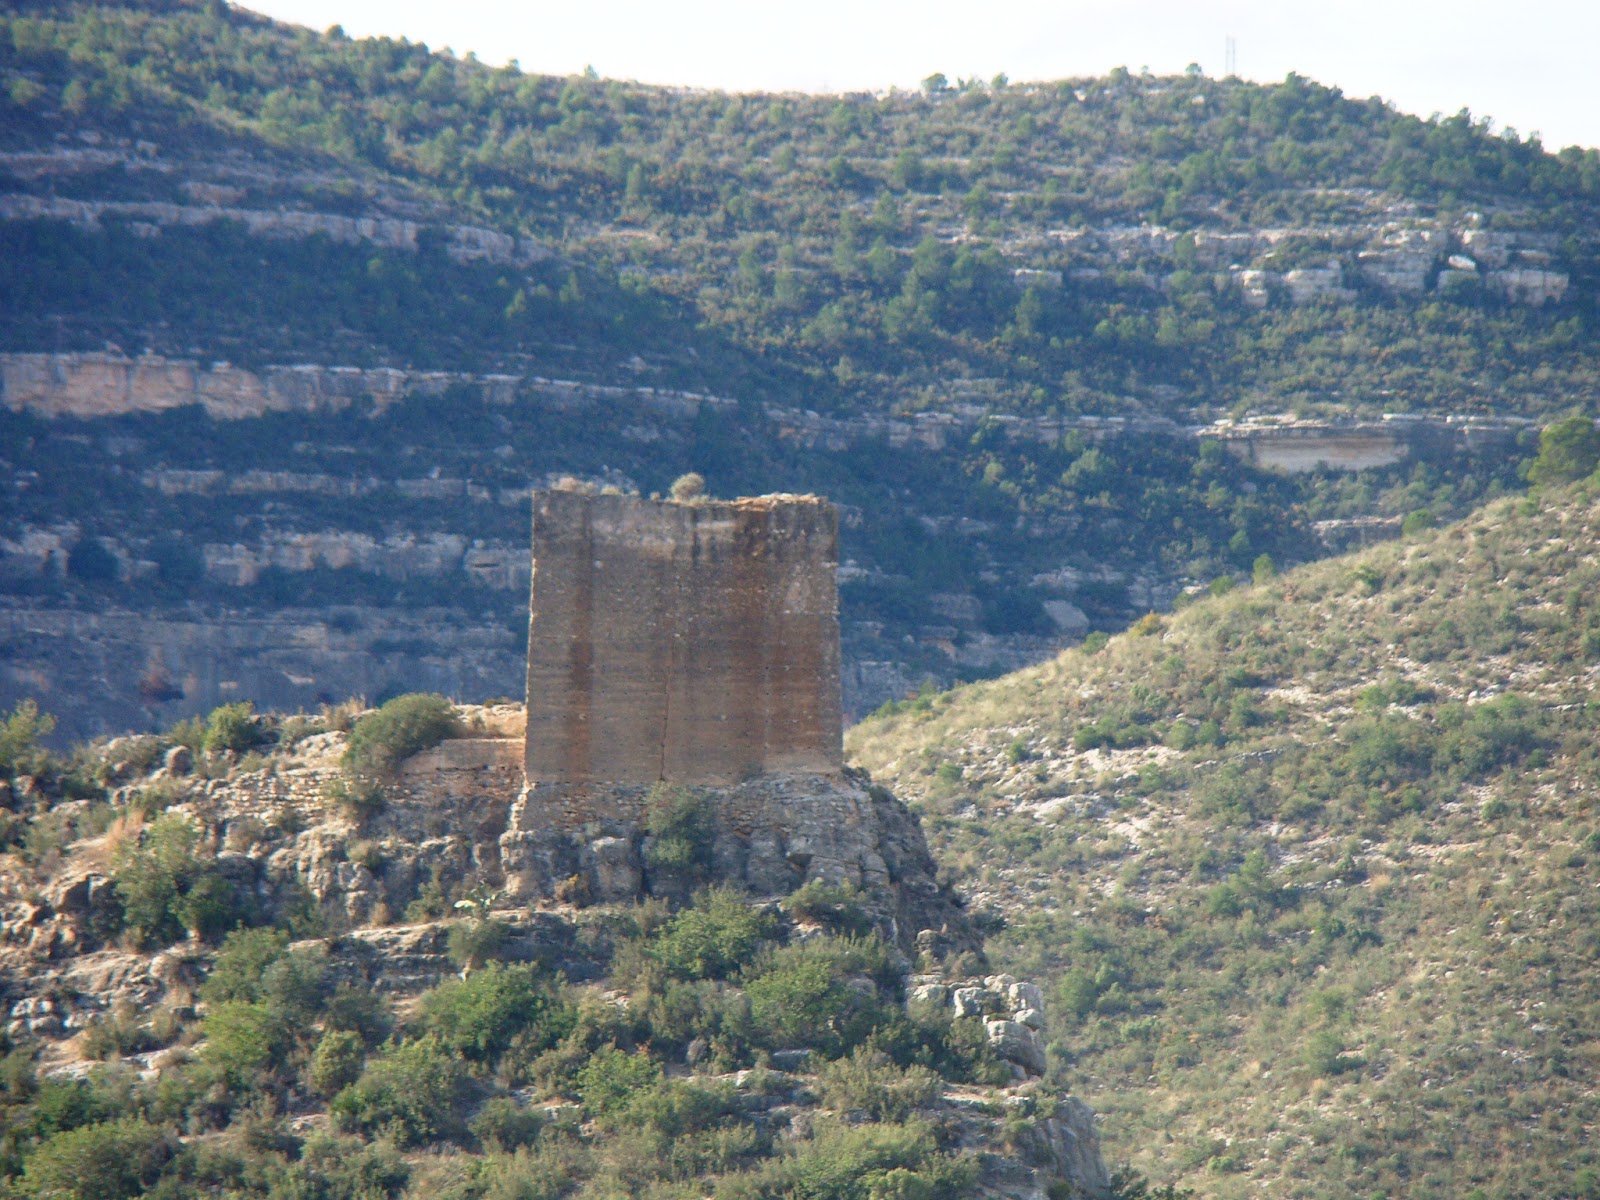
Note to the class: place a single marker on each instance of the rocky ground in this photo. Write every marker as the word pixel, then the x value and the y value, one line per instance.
pixel 383 887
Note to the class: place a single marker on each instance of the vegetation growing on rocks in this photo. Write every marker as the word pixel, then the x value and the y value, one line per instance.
pixel 251 1031
pixel 832 248
pixel 1061 251
pixel 1309 863
pixel 380 741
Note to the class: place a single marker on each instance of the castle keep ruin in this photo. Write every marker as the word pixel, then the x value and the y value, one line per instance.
pixel 689 652
pixel 690 643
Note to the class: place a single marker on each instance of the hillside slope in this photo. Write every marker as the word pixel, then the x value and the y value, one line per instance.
pixel 267 956
pixel 1088 245
pixel 1313 862
pixel 289 322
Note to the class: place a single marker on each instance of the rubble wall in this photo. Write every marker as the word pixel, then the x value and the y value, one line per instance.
pixel 693 643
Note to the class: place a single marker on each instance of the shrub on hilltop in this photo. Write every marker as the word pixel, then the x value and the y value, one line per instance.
pixel 404 726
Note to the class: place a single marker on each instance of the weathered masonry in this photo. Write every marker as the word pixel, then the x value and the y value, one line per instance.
pixel 693 643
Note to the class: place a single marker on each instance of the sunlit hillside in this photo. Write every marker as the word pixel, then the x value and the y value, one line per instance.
pixel 1312 863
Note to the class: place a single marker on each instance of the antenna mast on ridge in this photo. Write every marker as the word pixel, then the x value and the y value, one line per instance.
pixel 1230 58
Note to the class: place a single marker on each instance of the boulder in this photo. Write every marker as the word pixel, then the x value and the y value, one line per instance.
pixel 930 993
pixel 1018 1044
pixel 1026 995
pixel 971 1001
pixel 614 868
pixel 1068 1146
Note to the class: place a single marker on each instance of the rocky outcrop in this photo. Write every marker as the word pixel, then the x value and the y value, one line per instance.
pixel 458 816
pixel 381 876
pixel 1292 445
pixel 1529 285
pixel 772 834
pixel 1012 1012
pixel 1065 1142
pixel 463 243
pixel 103 385
pixel 398 556
pixel 1400 255
pixel 89 385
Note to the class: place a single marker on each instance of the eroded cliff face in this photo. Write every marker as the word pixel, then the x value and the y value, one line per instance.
pixel 97 385
pixel 114 671
pixel 303 538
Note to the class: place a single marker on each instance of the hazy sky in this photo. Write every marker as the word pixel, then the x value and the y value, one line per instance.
pixel 1530 65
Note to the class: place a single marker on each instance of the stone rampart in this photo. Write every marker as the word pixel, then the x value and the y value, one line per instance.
pixel 693 643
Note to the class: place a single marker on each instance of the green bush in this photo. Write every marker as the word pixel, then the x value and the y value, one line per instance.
pixel 596 1023
pixel 409 1093
pixel 476 941
pixel 681 832
pixel 714 937
pixel 20 733
pixel 867 1081
pixel 671 1109
pixel 504 1125
pixel 358 1010
pixel 1418 520
pixel 334 1168
pixel 122 1032
pixel 232 728
pixel 35 1109
pixel 240 963
pixel 406 725
pixel 1568 450
pixel 481 1016
pixel 1324 1055
pixel 246 1042
pixel 815 994
pixel 167 890
pixel 112 1161
pixel 1480 737
pixel 860 1162
pixel 357 799
pixel 547 1172
pixel 678 1011
pixel 297 985
pixel 1095 642
pixel 689 488
pixel 958 1049
pixel 336 1062
pixel 836 907
pixel 1128 1184
pixel 612 1078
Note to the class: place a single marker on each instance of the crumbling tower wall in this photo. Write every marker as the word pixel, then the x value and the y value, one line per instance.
pixel 693 643
pixel 697 645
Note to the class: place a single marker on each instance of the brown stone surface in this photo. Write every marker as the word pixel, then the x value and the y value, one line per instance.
pixel 695 643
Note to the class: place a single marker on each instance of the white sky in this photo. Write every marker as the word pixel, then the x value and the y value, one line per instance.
pixel 1531 65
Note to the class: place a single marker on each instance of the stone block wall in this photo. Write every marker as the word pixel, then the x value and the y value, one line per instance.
pixel 692 643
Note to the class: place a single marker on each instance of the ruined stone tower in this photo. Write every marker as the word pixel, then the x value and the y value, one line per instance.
pixel 696 645
pixel 691 643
